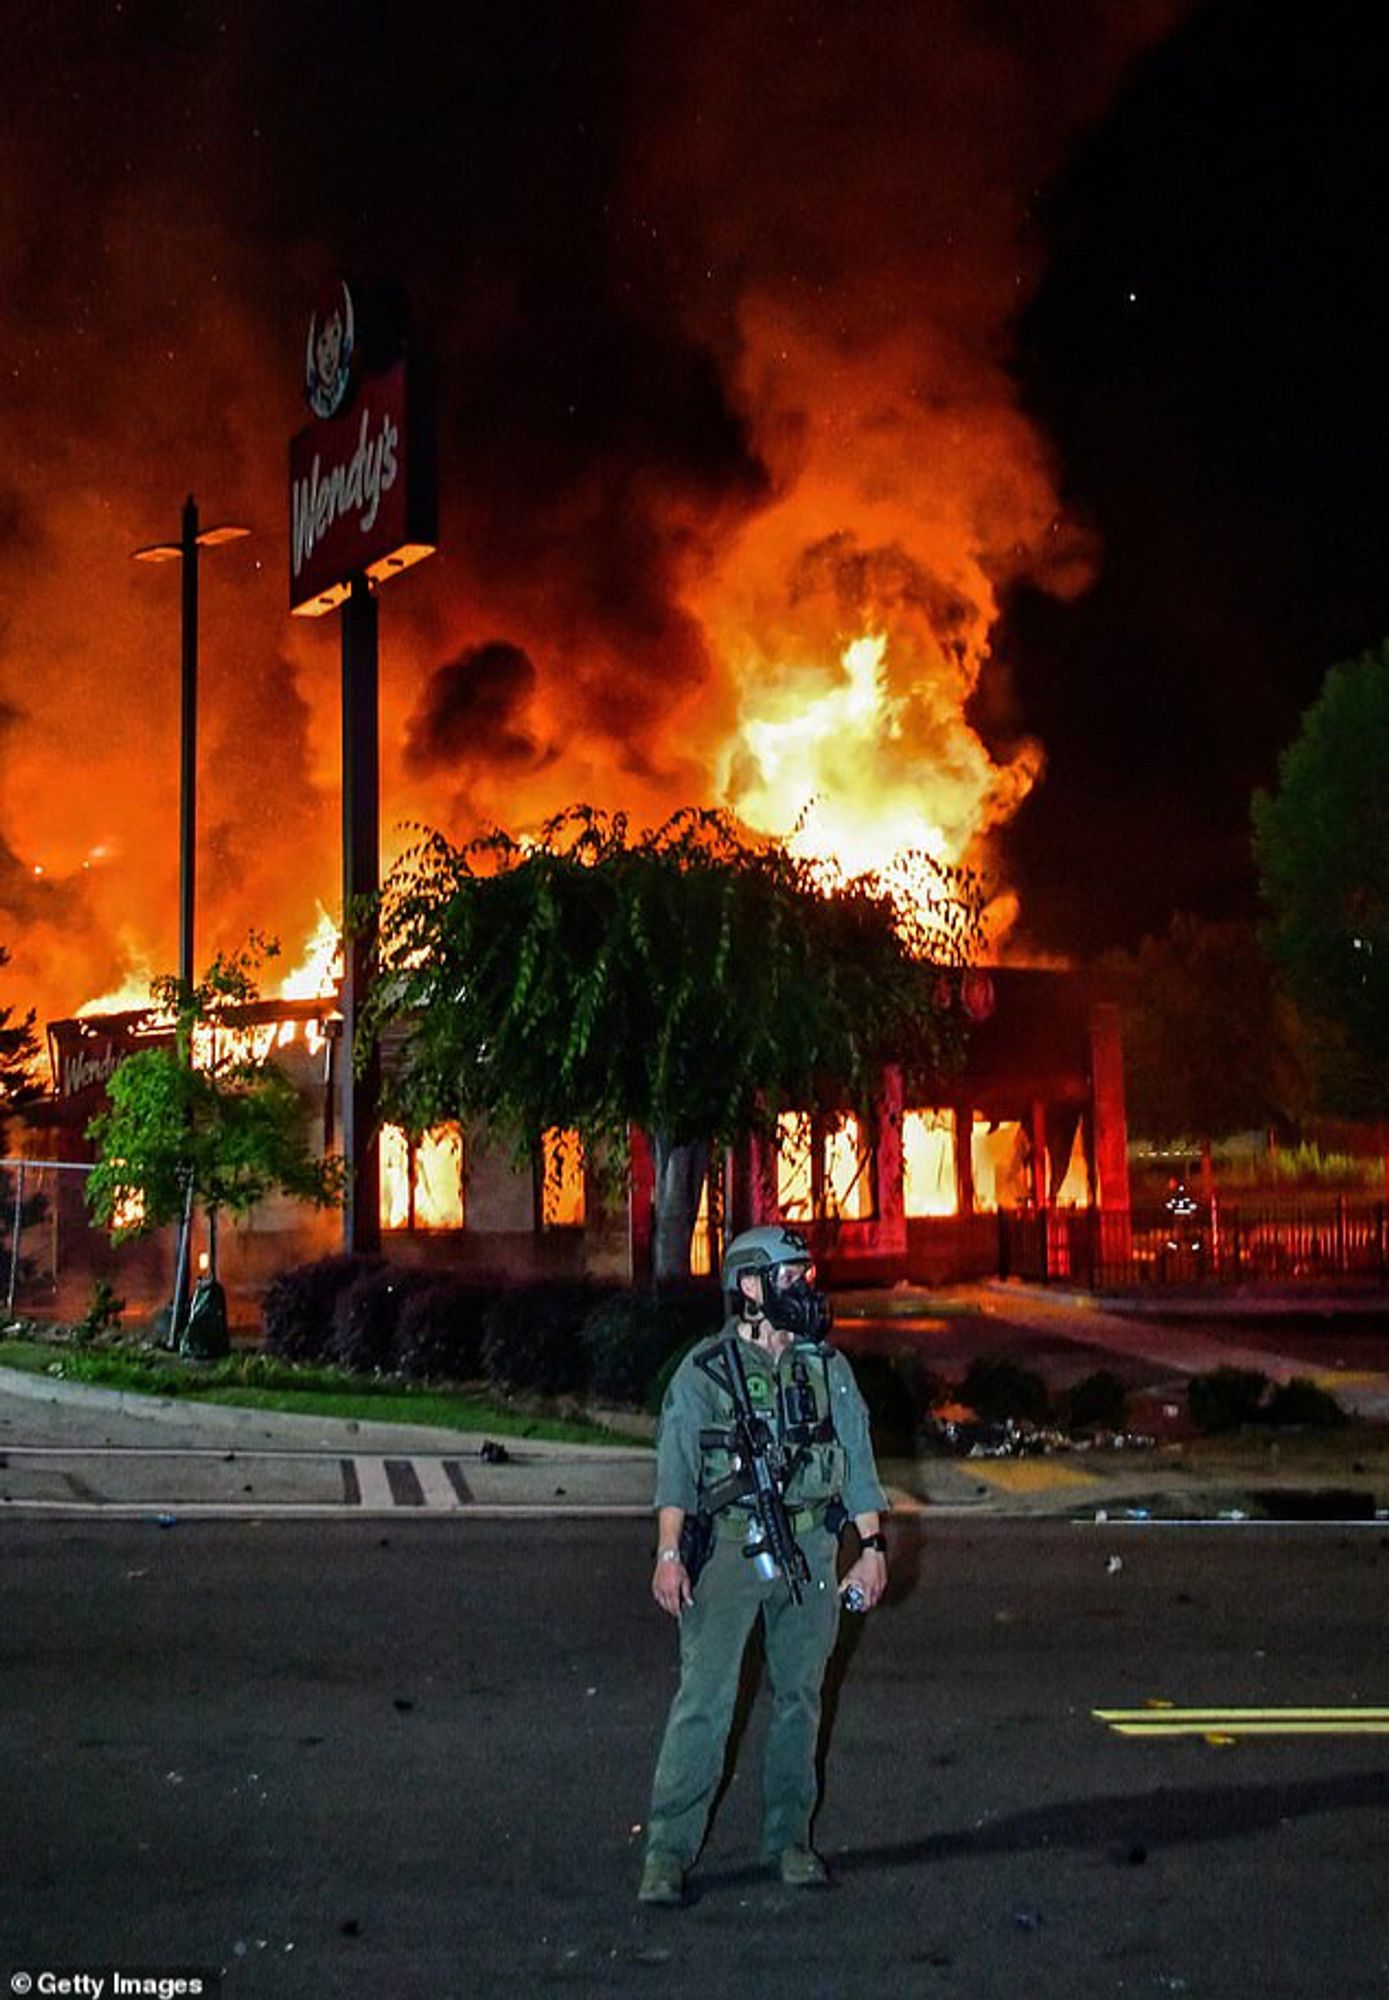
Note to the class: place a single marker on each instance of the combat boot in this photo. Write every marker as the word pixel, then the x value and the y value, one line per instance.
pixel 802 1868
pixel 662 1880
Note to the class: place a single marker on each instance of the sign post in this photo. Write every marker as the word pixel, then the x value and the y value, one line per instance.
pixel 362 508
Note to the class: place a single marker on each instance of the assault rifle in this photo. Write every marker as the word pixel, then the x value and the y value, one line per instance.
pixel 756 1475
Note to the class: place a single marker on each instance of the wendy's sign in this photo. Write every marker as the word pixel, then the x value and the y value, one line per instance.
pixel 85 1053
pixel 360 477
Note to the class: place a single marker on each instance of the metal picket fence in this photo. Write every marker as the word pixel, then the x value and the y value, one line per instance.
pixel 1233 1243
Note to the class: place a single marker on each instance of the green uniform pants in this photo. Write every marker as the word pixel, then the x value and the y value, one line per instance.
pixel 797 1640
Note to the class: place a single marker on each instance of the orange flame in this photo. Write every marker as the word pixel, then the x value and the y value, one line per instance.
pixel 832 763
pixel 319 970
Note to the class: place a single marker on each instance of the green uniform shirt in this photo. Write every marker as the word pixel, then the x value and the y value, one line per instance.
pixel 693 1404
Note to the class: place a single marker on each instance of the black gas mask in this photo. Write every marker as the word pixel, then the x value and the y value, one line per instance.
pixel 799 1310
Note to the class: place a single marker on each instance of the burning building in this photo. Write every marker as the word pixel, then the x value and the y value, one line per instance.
pixel 734 486
pixel 999 1168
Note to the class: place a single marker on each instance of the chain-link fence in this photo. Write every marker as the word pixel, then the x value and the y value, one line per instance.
pixel 52 1255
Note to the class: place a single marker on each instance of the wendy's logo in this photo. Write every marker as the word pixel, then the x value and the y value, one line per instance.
pixel 329 361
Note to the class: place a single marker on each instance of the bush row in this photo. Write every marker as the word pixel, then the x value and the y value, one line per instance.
pixel 901 1394
pixel 1228 1398
pixel 557 1336
pixel 551 1337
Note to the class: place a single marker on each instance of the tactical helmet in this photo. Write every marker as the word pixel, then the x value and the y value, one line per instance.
pixel 763 1250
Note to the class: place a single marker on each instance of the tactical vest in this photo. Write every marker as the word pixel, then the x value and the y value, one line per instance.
pixel 792 1396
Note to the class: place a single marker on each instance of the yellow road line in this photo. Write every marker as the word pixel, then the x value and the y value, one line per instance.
pixel 1224 1725
pixel 1239 1715
pixel 1228 1728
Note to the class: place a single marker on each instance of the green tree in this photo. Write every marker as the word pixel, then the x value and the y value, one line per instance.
pixel 1206 1043
pixel 19 1053
pixel 19 1085
pixel 1321 845
pixel 204 1118
pixel 686 982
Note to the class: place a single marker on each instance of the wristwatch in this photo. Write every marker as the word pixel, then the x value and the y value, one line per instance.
pixel 667 1555
pixel 876 1541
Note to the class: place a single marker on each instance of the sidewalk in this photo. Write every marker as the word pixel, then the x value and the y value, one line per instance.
pixel 68 1446
pixel 1154 1345
pixel 71 1446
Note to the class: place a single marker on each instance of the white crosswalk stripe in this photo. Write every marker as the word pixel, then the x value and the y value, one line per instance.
pixel 376 1488
pixel 372 1483
pixel 434 1483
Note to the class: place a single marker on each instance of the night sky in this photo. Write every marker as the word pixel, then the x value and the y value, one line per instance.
pixel 1048 340
pixel 1206 350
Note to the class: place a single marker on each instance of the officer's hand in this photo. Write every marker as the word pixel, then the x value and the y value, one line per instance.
pixel 670 1586
pixel 870 1575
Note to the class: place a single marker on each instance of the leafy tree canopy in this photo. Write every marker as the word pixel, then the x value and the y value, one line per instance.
pixel 19 1085
pixel 19 1052
pixel 686 981
pixel 203 1109
pixel 1321 845
pixel 1206 1043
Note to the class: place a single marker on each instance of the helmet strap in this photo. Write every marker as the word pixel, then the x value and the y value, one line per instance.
pixel 751 1310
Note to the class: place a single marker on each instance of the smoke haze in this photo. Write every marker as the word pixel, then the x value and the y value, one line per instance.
pixel 721 300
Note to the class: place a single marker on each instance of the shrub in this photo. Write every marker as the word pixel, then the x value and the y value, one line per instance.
pixel 101 1315
pixel 927 1389
pixel 660 1381
pixel 1303 1402
pixel 891 1405
pixel 1225 1398
pixel 632 1340
pixel 530 1336
pixel 297 1309
pixel 1097 1402
pixel 998 1390
pixel 365 1316
pixel 438 1336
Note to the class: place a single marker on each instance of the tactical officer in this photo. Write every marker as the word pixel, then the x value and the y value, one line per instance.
pixel 816 1425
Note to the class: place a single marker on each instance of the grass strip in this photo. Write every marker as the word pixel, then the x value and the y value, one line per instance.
pixel 258 1381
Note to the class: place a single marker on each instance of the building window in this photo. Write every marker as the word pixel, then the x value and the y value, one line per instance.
pixel 706 1245
pixel 794 1166
pixel 847 1169
pixel 930 1185
pixel 1074 1191
pixel 422 1179
pixel 128 1210
pixel 1001 1156
pixel 563 1203
pixel 824 1168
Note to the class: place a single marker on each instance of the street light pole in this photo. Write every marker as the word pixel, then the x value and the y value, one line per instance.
pixel 188 752
pixel 185 549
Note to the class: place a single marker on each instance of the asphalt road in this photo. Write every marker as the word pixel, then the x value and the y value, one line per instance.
pixel 410 1759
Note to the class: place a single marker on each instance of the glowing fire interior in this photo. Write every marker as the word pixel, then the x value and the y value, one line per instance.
pixel 563 1202
pixel 422 1179
pixel 823 1170
pixel 826 1171
pixel 867 765
pixel 834 763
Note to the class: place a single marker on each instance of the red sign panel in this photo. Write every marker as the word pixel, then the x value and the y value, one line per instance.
pixel 85 1054
pixel 354 496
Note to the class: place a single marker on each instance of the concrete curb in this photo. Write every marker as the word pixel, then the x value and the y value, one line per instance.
pixel 342 1434
pixel 922 1489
